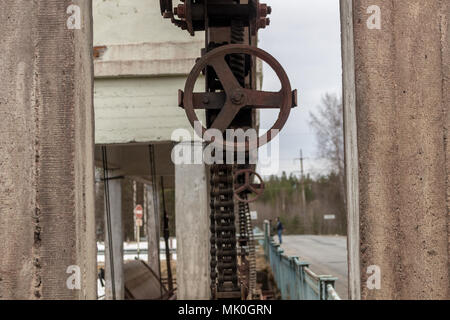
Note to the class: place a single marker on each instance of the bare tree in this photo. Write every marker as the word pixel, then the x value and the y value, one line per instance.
pixel 327 124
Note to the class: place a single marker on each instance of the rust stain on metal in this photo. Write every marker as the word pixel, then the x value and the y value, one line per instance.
pixel 99 51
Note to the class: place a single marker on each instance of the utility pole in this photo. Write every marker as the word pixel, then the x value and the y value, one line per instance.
pixel 302 181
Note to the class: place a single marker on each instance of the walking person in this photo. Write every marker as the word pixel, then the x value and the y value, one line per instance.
pixel 279 230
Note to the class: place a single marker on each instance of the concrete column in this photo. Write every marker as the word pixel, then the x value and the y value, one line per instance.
pixel 47 224
pixel 115 203
pixel 153 228
pixel 192 231
pixel 402 72
pixel 351 149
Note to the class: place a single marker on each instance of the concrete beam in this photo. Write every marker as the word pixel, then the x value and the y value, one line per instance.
pixel 133 161
pixel 192 232
pixel 47 233
pixel 402 101
pixel 116 275
pixel 139 21
pixel 147 59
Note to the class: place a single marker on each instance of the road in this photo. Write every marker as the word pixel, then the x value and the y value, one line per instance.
pixel 327 255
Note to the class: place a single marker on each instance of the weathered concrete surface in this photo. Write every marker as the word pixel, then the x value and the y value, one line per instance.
pixel 148 59
pixel 46 151
pixel 116 275
pixel 351 148
pixel 446 91
pixel 139 110
pixel 136 21
pixel 192 232
pixel 402 90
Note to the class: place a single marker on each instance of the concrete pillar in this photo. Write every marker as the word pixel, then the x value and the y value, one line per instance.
pixel 351 149
pixel 47 224
pixel 192 231
pixel 115 203
pixel 153 227
pixel 402 103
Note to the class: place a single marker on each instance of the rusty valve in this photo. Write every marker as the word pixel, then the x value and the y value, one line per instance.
pixel 264 10
pixel 247 175
pixel 235 97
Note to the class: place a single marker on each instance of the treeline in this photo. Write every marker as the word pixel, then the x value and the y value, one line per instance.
pixel 324 199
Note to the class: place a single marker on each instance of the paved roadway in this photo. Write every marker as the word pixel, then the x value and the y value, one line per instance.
pixel 327 255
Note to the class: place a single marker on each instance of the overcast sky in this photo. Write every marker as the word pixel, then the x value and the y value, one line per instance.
pixel 304 36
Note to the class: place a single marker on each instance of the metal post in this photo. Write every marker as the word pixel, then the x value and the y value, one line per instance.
pixel 166 238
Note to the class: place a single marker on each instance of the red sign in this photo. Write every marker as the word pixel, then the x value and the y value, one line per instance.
pixel 139 211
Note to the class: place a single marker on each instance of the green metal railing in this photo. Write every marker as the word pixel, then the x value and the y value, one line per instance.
pixel 294 278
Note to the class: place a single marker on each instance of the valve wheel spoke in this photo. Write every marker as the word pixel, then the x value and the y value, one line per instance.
pixel 247 186
pixel 241 189
pixel 225 117
pixel 226 76
pixel 263 99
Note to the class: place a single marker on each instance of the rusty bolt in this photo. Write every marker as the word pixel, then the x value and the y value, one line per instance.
pixel 205 100
pixel 261 24
pixel 180 11
pixel 263 11
pixel 180 98
pixel 267 21
pixel 237 97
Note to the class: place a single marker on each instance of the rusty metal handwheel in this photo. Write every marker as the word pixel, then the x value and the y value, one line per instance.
pixel 248 186
pixel 235 96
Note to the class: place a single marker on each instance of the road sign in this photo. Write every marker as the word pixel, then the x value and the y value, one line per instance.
pixel 139 222
pixel 254 215
pixel 329 217
pixel 138 212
